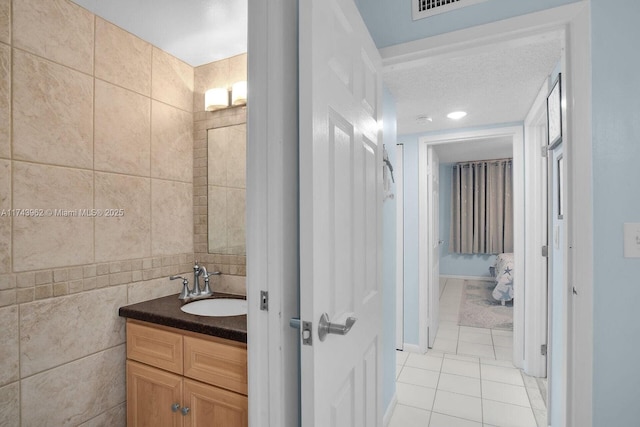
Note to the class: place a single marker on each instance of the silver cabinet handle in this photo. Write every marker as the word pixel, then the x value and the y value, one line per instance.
pixel 326 327
pixel 185 410
pixel 175 407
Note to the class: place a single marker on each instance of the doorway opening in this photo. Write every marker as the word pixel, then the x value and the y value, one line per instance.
pixel 439 295
pixel 456 318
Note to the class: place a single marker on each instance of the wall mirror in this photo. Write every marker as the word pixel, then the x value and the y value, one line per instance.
pixel 226 189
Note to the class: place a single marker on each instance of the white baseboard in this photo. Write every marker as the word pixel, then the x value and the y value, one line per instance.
pixel 411 348
pixel 389 412
pixel 483 278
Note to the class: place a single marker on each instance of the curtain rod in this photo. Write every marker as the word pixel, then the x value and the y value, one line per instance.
pixel 509 159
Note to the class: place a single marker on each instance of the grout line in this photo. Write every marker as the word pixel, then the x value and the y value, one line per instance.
pixel 93 137
pixel 77 359
pixel 11 144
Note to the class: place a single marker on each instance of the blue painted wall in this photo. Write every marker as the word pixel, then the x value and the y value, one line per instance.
pixel 390 21
pixel 616 196
pixel 411 261
pixel 389 260
pixel 456 264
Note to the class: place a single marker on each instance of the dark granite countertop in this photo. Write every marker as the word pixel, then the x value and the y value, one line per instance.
pixel 166 311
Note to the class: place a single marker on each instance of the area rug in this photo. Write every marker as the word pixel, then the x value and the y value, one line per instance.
pixel 480 310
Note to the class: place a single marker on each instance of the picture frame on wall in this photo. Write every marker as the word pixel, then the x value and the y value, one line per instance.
pixel 554 113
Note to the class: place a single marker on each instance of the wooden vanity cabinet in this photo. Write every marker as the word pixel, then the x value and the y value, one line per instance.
pixel 181 379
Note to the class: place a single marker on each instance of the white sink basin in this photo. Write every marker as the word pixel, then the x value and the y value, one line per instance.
pixel 220 307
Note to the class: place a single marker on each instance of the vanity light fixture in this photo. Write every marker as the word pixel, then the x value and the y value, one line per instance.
pixel 239 93
pixel 456 115
pixel 216 98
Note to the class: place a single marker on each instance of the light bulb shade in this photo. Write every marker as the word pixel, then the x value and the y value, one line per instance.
pixel 216 98
pixel 239 93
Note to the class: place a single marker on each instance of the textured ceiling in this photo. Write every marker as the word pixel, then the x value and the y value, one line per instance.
pixel 496 85
pixel 196 31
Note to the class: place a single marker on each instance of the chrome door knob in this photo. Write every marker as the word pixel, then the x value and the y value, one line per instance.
pixel 175 407
pixel 185 410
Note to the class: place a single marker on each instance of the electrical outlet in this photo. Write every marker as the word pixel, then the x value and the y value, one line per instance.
pixel 632 240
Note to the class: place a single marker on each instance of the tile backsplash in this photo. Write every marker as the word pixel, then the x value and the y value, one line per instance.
pixel 91 118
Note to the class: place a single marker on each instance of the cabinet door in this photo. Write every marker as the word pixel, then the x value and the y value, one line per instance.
pixel 210 406
pixel 151 393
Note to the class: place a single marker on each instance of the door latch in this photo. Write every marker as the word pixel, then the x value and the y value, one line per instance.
pixel 306 333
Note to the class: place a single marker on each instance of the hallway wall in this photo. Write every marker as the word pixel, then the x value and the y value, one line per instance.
pixel 616 152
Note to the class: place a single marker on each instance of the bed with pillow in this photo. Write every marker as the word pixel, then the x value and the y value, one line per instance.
pixel 503 272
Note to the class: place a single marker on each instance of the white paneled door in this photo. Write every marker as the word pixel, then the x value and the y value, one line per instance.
pixel 340 217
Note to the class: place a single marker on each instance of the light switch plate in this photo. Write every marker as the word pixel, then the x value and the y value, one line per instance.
pixel 632 240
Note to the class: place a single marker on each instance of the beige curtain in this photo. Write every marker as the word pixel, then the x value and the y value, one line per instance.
pixel 482 208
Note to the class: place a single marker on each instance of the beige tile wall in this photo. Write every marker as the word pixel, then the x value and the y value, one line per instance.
pixel 122 130
pixel 122 58
pixel 46 94
pixel 5 21
pixel 91 117
pixel 216 74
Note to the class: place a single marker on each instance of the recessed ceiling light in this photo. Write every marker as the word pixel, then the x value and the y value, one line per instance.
pixel 423 119
pixel 456 115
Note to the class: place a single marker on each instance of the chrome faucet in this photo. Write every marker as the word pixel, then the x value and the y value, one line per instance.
pixel 197 271
pixel 196 293
pixel 205 275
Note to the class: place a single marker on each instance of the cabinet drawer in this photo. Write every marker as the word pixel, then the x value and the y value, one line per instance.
pixel 155 347
pixel 218 362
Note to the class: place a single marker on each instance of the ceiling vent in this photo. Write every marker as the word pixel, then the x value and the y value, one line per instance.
pixel 425 8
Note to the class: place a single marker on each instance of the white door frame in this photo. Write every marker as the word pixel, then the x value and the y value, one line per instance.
pixel 558 360
pixel 426 240
pixel 399 246
pixel 272 212
pixel 430 267
pixel 535 203
pixel 576 89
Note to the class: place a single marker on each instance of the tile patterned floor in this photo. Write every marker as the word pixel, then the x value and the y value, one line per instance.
pixel 466 380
